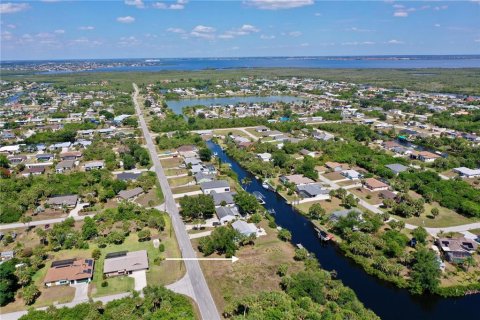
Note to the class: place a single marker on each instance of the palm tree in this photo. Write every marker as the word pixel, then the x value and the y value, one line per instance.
pixel 246 182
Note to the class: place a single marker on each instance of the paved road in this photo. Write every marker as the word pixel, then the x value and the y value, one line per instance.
pixel 40 222
pixel 201 292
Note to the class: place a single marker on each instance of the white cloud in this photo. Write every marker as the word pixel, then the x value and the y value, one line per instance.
pixel 59 31
pixel 278 4
pixel 393 41
pixel 127 19
pixel 295 34
pixel 437 25
pixel 203 32
pixel 305 44
pixel 11 26
pixel 357 43
pixel 84 41
pixel 401 14
pixel 355 29
pixel 244 30
pixel 179 5
pixel 176 30
pixel 10 7
pixel 438 8
pixel 317 14
pixel 128 41
pixel 6 36
pixel 476 40
pixel 137 3
pixel 86 28
pixel 267 37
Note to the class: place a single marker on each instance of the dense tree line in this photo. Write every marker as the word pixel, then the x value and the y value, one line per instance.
pixel 67 134
pixel 158 303
pixel 465 123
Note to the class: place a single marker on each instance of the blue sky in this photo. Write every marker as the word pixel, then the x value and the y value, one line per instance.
pixel 53 29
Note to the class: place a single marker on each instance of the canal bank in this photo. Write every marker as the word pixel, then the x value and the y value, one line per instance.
pixel 386 300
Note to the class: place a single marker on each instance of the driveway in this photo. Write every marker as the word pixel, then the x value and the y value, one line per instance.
pixel 81 292
pixel 140 278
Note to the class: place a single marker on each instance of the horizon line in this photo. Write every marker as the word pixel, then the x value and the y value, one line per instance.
pixel 247 57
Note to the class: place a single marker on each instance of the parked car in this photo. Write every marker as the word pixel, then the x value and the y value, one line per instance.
pixel 216 224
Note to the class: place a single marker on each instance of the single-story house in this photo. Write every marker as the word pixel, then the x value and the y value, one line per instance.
pixel 424 156
pixel 305 152
pixel 16 159
pixel 94 165
pixel 296 179
pixel 456 250
pixel 397 168
pixel 467 172
pixel 351 174
pixel 34 171
pixel 265 157
pixel 218 186
pixel 44 157
pixel 324 136
pixel 70 271
pixel 314 190
pixel 373 184
pixel 196 168
pixel 210 169
pixel 70 201
pixel 334 166
pixel 72 155
pixel 336 215
pixel 126 176
pixel 226 214
pixel 187 151
pixel 65 165
pixel 273 133
pixel 201 177
pixel 124 262
pixel 130 194
pixel 192 161
pixel 224 197
pixel 387 194
pixel 7 255
pixel 262 129
pixel 244 228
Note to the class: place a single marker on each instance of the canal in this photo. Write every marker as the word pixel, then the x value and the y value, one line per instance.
pixel 386 300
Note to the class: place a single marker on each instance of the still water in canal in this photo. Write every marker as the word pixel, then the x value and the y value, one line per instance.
pixel 384 299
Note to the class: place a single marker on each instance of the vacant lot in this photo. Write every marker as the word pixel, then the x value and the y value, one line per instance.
pixel 255 271
pixel 367 195
pixel 333 176
pixel 150 199
pixel 175 182
pixel 446 218
pixel 175 172
pixel 171 162
pixel 329 206
pixel 185 189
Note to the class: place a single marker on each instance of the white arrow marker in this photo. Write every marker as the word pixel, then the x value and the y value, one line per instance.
pixel 233 259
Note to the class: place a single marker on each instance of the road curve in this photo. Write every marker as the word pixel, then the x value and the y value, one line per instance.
pixel 202 294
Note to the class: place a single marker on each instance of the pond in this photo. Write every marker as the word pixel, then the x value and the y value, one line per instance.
pixel 386 300
pixel 178 105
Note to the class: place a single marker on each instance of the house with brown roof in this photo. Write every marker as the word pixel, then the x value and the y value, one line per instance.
pixel 296 179
pixel 70 271
pixel 456 250
pixel 373 184
pixel 71 155
pixel 334 166
pixel 424 156
pixel 130 194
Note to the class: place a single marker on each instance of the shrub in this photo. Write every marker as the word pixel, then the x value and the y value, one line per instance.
pixel 104 284
pixel 161 247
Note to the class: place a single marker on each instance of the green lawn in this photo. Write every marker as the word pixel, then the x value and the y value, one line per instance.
pixel 174 172
pixel 180 181
pixel 185 189
pixel 446 218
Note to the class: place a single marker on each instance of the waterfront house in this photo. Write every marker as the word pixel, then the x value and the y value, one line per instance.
pixel 224 198
pixel 244 228
pixel 201 177
pixel 265 157
pixel 226 214
pixel 296 179
pixel 456 250
pixel 218 186
pixel 314 190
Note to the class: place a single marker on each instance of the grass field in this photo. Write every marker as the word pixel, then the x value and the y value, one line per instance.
pixel 329 206
pixel 254 272
pixel 180 181
pixel 446 218
pixel 185 189
pixel 432 80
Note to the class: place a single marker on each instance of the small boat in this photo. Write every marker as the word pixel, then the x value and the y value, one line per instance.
pixel 271 211
pixel 259 197
pixel 267 186
pixel 215 154
pixel 323 235
pixel 299 246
